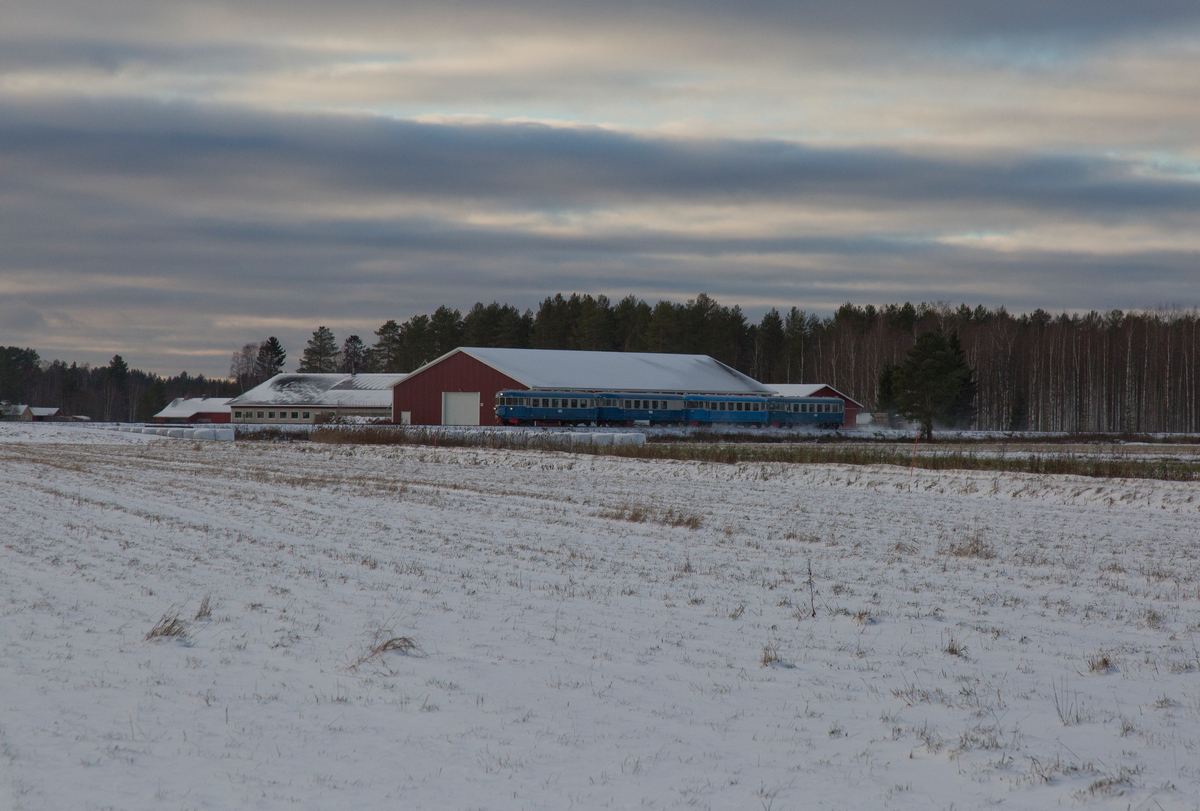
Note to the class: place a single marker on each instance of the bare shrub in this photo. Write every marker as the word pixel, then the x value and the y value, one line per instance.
pixel 770 654
pixel 1100 663
pixel 169 625
pixel 205 610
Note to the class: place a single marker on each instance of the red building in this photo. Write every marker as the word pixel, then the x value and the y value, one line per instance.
pixel 853 407
pixel 460 387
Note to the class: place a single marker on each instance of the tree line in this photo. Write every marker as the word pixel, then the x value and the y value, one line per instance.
pixel 1106 372
pixel 110 393
pixel 1109 372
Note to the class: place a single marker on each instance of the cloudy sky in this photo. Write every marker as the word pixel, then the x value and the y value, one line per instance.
pixel 179 178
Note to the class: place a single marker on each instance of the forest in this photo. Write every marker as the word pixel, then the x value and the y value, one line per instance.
pixel 110 393
pixel 1096 372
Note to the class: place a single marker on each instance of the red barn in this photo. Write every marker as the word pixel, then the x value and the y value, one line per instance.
pixel 853 407
pixel 459 388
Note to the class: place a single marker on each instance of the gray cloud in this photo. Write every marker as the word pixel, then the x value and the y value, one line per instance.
pixel 226 152
pixel 307 165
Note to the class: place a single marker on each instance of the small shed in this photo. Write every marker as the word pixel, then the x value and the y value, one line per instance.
pixel 45 414
pixel 459 388
pixel 195 410
pixel 853 407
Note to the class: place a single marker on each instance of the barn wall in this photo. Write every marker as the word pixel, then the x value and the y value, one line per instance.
pixel 421 392
pixel 850 407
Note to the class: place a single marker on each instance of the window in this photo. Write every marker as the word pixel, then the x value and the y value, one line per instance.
pixel 295 415
pixel 795 407
pixel 260 415
pixel 237 414
pixel 574 403
pixel 739 406
pixel 271 415
pixel 545 402
pixel 305 415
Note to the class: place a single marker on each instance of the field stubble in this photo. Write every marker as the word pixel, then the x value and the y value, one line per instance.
pixel 272 624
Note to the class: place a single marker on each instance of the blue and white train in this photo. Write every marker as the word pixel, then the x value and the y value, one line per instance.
pixel 545 407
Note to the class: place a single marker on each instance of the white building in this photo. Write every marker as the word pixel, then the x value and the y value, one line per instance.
pixel 301 397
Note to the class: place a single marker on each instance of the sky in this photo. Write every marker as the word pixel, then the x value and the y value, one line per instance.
pixel 180 178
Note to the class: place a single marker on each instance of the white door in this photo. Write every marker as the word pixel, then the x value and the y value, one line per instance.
pixel 460 408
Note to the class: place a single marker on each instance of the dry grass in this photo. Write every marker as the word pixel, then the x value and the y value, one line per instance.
pixel 1100 663
pixel 205 610
pixel 955 648
pixel 725 450
pixel 168 626
pixel 382 643
pixel 973 547
pixel 640 514
pixel 770 654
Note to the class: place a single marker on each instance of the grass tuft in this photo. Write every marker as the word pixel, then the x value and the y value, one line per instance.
pixel 168 626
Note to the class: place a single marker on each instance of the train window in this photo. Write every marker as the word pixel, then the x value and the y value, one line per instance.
pixel 739 406
pixel 654 403
pixel 574 403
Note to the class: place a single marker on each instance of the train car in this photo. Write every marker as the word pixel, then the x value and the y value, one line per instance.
pixel 546 407
pixel 654 408
pixel 610 409
pixel 824 411
pixel 716 409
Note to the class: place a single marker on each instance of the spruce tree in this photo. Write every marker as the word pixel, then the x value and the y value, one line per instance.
pixel 353 356
pixel 931 384
pixel 321 353
pixel 271 358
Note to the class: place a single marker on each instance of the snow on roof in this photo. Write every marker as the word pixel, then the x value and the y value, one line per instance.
pixel 808 390
pixel 322 390
pixel 15 410
pixel 181 408
pixel 43 412
pixel 614 371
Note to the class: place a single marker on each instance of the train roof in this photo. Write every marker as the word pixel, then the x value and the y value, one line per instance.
pixel 573 370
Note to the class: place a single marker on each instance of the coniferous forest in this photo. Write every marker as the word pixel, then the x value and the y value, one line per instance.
pixel 1098 372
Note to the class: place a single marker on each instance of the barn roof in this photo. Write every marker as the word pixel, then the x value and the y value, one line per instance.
pixel 810 390
pixel 617 371
pixel 181 408
pixel 322 390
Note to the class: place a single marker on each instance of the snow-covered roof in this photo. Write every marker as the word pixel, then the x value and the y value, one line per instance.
pixel 181 408
pixel 15 410
pixel 39 411
pixel 618 371
pixel 808 390
pixel 322 390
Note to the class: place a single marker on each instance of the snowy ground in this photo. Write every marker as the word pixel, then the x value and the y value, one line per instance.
pixel 980 639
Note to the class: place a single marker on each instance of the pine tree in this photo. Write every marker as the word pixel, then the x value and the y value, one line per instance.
pixel 353 356
pixel 321 353
pixel 271 358
pixel 931 382
pixel 446 329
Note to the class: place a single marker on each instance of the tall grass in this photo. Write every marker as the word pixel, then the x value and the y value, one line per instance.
pixel 1097 465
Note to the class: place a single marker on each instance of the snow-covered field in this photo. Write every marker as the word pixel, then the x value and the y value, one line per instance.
pixel 584 631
